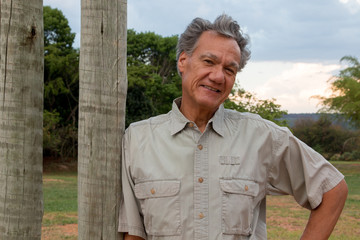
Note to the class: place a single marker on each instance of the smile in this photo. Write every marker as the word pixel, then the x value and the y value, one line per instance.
pixel 211 89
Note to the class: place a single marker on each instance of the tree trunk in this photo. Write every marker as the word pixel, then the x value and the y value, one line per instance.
pixel 103 86
pixel 21 108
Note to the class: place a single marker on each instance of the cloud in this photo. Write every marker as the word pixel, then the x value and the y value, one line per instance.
pixel 353 6
pixel 294 85
pixel 305 30
pixel 280 30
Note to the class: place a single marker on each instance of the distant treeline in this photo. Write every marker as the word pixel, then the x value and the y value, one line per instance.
pixel 336 119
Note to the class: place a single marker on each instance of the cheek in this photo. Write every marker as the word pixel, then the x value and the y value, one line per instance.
pixel 229 85
pixel 193 80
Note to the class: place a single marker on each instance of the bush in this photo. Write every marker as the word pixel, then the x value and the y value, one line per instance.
pixel 335 157
pixel 347 156
pixel 51 138
pixel 58 141
pixel 323 136
pixel 355 155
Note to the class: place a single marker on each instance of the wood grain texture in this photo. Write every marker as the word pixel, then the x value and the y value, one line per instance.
pixel 103 86
pixel 21 109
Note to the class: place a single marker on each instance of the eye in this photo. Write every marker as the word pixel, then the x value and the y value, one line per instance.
pixel 230 71
pixel 208 61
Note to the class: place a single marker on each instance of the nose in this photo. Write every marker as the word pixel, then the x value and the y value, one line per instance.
pixel 217 75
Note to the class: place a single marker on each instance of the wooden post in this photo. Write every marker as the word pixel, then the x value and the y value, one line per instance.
pixel 103 86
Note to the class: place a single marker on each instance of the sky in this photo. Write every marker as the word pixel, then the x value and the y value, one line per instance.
pixel 296 45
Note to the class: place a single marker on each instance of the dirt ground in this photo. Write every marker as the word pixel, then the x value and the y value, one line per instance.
pixel 55 164
pixel 59 232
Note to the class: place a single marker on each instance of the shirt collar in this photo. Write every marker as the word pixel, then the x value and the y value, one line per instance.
pixel 218 120
pixel 179 121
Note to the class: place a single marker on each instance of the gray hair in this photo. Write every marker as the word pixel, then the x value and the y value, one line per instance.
pixel 223 25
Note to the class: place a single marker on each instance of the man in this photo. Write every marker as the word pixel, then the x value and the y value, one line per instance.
pixel 203 172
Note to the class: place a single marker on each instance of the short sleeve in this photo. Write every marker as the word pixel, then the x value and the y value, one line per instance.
pixel 130 219
pixel 300 171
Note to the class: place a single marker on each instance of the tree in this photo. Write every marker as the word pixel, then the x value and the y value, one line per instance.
pixel 101 116
pixel 61 76
pixel 57 31
pixel 243 101
pixel 323 136
pixel 21 107
pixel 152 74
pixel 345 87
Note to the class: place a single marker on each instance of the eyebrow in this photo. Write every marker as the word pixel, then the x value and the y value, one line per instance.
pixel 212 56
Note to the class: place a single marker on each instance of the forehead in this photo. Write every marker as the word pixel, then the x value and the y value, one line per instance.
pixel 212 43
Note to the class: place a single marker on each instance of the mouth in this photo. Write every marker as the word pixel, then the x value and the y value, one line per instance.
pixel 211 89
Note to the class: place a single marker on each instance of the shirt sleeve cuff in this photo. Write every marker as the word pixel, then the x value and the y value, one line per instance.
pixel 333 182
pixel 132 230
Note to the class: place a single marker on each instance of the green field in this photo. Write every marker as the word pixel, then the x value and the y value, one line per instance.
pixel 285 219
pixel 60 206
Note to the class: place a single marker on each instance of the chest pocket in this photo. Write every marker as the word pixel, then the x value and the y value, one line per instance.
pixel 238 203
pixel 160 205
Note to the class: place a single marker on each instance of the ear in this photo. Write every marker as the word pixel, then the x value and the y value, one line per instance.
pixel 182 62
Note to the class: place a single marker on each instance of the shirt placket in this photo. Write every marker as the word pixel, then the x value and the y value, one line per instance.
pixel 201 189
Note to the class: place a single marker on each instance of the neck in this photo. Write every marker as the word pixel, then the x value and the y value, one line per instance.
pixel 199 115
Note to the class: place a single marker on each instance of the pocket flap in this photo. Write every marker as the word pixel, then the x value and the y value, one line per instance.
pixel 229 160
pixel 156 189
pixel 244 187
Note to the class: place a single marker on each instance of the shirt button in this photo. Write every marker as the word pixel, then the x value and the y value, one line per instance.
pixel 201 215
pixel 191 124
pixel 200 180
pixel 200 147
pixel 152 191
pixel 246 187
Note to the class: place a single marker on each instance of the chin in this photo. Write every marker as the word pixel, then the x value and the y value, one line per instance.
pixel 211 105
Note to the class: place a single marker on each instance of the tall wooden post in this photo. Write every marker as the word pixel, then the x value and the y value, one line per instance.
pixel 21 109
pixel 103 86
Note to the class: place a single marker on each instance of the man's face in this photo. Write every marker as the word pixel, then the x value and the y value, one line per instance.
pixel 208 75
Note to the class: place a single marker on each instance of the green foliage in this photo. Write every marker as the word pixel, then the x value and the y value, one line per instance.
pixel 346 92
pixel 243 101
pixel 61 85
pixel 355 155
pixel 57 30
pixel 347 156
pixel 51 138
pixel 58 141
pixel 153 81
pixel 352 144
pixel 322 135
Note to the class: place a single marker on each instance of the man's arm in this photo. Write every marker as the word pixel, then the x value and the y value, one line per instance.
pixel 323 219
pixel 131 237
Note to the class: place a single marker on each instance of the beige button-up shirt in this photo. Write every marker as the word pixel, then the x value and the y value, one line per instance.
pixel 179 183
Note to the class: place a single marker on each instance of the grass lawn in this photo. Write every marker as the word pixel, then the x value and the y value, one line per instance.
pixel 285 219
pixel 60 206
